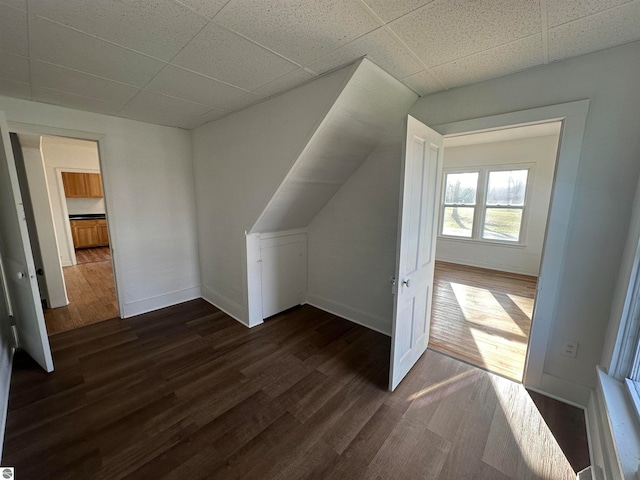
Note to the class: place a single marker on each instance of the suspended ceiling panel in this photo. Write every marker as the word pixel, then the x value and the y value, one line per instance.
pixel 210 58
pixel 371 104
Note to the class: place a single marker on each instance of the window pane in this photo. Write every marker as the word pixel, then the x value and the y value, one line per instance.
pixel 507 187
pixel 458 221
pixel 502 224
pixel 460 188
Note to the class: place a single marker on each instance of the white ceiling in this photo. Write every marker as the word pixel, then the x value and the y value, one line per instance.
pixel 504 134
pixel 184 63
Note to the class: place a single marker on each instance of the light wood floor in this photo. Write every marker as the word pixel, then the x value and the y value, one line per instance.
pixel 91 255
pixel 92 296
pixel 188 392
pixel 482 317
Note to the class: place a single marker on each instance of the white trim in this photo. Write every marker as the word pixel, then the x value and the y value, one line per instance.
pixel 160 301
pixel 231 308
pixel 563 390
pixel 354 315
pixel 612 424
pixel 573 116
pixel 284 233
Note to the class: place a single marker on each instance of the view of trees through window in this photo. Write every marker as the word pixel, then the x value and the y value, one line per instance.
pixel 503 193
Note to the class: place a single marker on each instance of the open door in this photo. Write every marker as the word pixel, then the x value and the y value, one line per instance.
pixel 421 165
pixel 17 259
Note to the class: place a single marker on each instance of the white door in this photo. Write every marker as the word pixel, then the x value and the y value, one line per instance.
pixel 421 166
pixel 17 260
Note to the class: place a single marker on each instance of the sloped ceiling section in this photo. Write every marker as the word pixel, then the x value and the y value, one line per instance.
pixel 371 104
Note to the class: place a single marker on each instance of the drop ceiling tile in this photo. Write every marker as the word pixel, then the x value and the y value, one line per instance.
pixel 242 102
pixel 497 62
pixel 159 28
pixel 209 8
pixel 64 46
pixel 443 31
pixel 69 100
pixel 14 67
pixel 596 32
pixel 54 77
pixel 156 118
pixel 221 54
pixel 381 46
pixel 206 118
pixel 181 83
pixel 19 4
pixel 284 83
pixel 10 88
pixel 391 9
pixel 151 102
pixel 563 11
pixel 13 30
pixel 423 83
pixel 302 31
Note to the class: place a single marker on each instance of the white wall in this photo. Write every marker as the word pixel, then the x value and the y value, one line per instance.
pixel 540 152
pixel 239 162
pixel 604 190
pixel 63 154
pixel 148 177
pixel 6 357
pixel 352 243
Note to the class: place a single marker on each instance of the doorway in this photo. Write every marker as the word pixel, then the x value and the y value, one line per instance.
pixel 63 190
pixel 496 194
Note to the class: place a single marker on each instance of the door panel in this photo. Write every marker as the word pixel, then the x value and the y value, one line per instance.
pixel 18 263
pixel 422 162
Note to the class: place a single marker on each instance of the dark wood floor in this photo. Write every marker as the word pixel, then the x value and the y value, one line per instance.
pixel 91 291
pixel 482 317
pixel 187 392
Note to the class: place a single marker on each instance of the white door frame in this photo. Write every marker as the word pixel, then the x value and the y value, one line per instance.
pixel 573 116
pixel 99 138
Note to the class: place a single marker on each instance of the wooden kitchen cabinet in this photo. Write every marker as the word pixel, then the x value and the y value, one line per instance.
pixel 82 185
pixel 89 233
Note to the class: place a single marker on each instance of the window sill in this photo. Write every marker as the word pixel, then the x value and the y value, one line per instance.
pixel 476 241
pixel 619 417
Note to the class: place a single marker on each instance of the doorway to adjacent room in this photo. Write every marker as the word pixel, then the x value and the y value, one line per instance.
pixel 496 193
pixel 62 188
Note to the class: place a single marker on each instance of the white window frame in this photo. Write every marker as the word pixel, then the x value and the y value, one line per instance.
pixel 480 207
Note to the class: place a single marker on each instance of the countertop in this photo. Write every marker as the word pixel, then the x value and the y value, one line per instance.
pixel 87 216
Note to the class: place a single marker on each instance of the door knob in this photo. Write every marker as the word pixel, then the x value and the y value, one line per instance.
pixel 407 282
pixel 40 271
pixel 21 275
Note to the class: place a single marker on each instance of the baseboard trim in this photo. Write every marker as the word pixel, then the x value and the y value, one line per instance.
pixel 352 314
pixel 231 308
pixel 563 390
pixel 490 266
pixel 161 301
pixel 5 380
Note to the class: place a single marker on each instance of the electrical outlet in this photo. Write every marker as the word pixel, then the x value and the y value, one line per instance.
pixel 570 349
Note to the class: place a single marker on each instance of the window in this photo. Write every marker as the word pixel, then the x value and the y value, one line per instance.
pixel 498 217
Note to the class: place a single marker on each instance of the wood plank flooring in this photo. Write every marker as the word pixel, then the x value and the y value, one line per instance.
pixel 91 255
pixel 92 296
pixel 187 392
pixel 482 317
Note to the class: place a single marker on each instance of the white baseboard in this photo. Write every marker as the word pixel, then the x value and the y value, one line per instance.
pixel 161 301
pixel 563 390
pixel 490 266
pixel 231 308
pixel 352 314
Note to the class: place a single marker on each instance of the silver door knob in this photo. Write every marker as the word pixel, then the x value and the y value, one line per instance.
pixel 407 282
